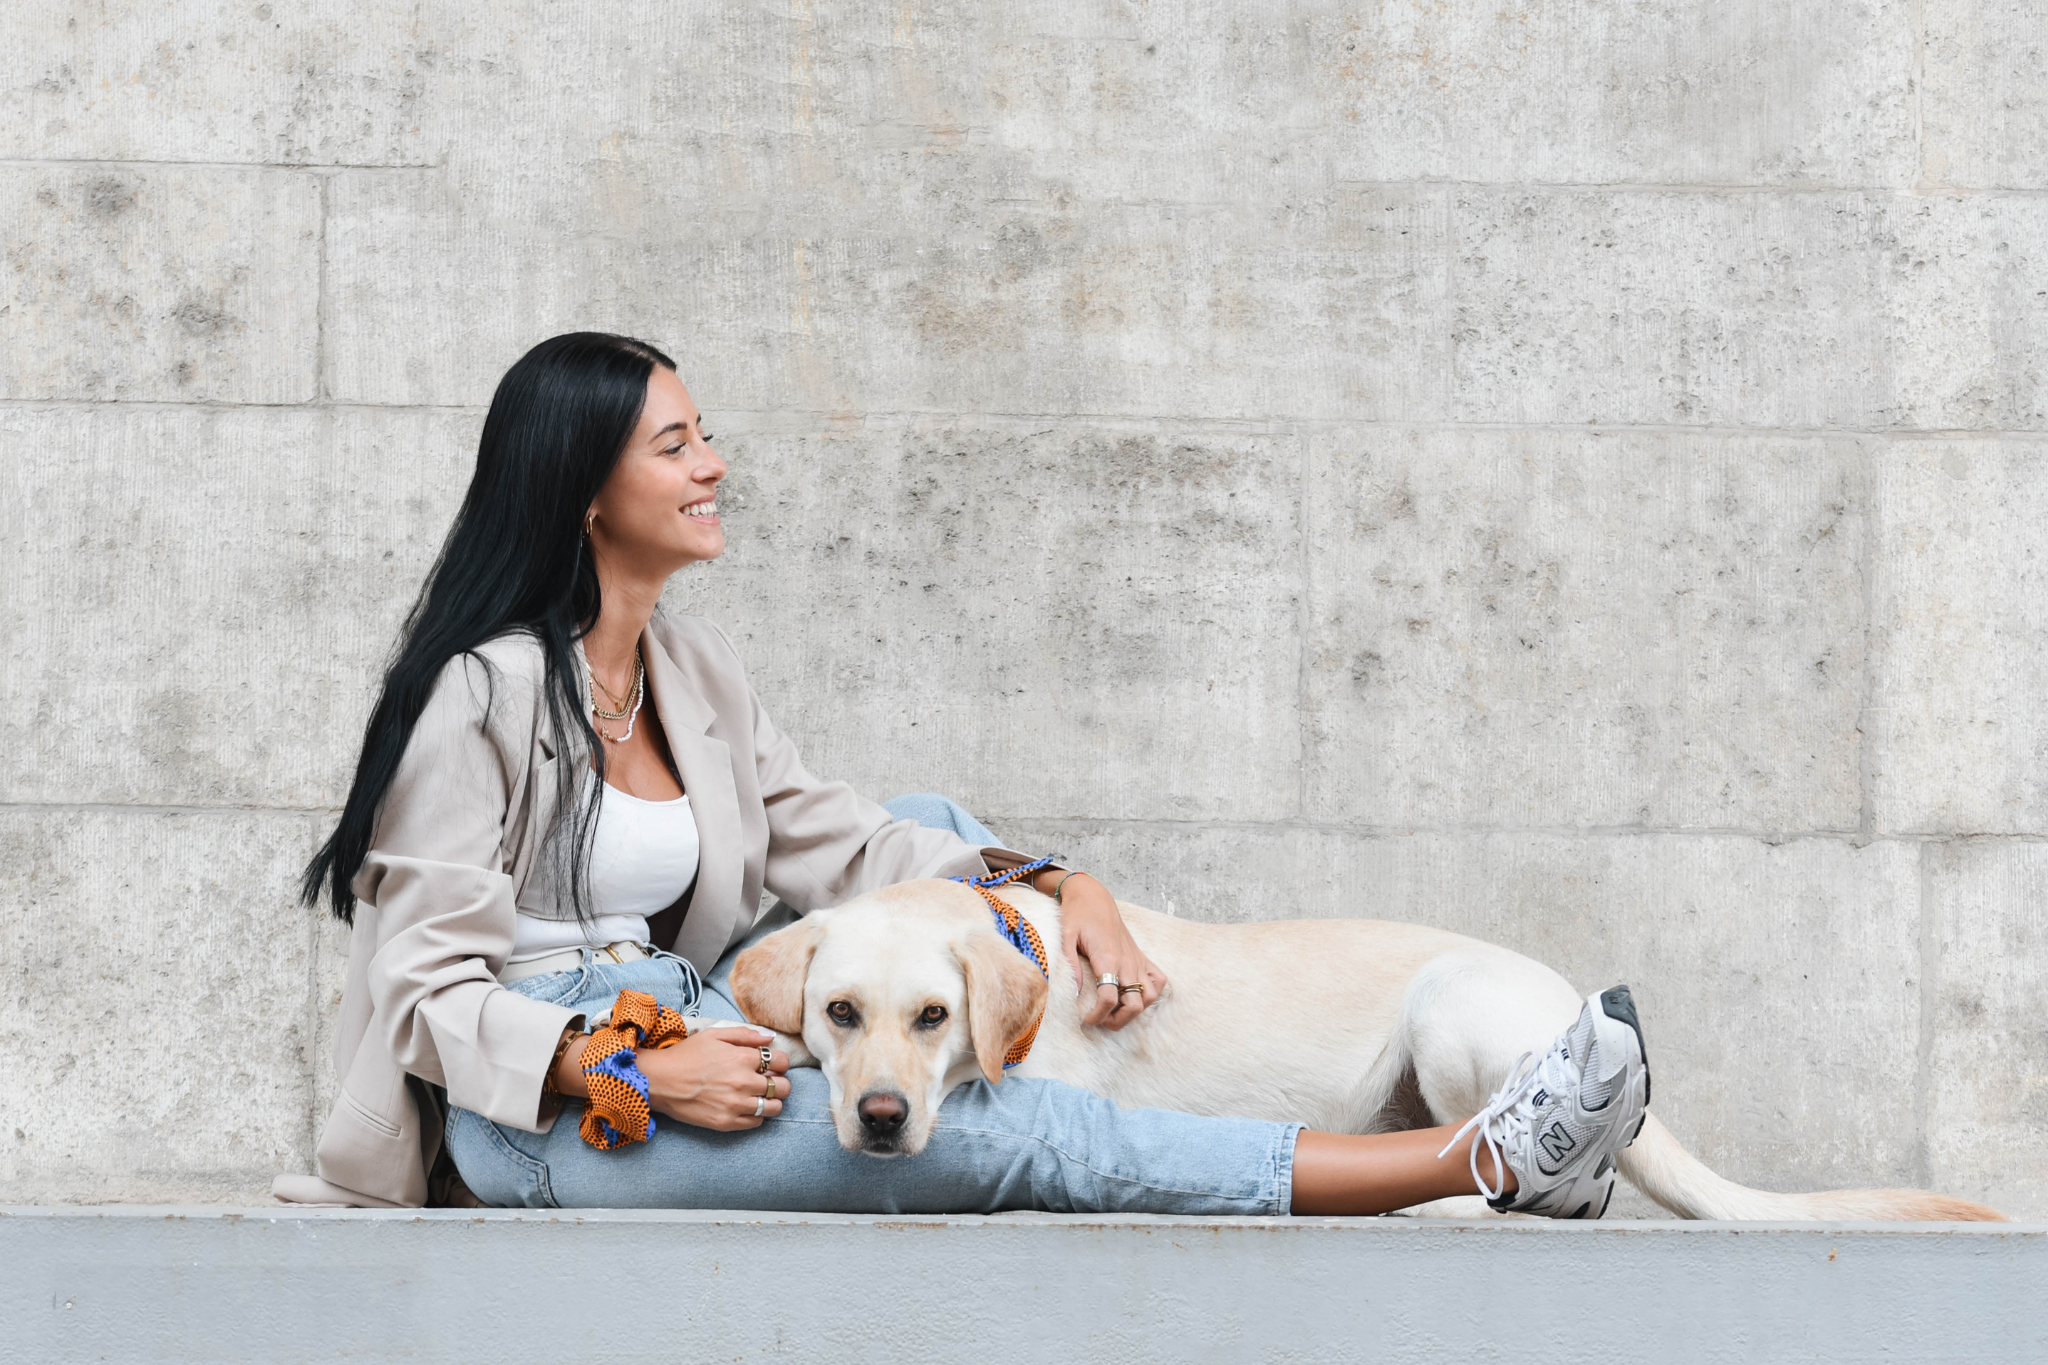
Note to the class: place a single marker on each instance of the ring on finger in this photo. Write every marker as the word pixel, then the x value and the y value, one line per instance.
pixel 769 1093
pixel 1122 991
pixel 760 1107
pixel 1108 979
pixel 767 1057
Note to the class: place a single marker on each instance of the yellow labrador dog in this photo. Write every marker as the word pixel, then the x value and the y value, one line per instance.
pixel 1361 1026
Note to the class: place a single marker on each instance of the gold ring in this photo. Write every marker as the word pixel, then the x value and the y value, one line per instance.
pixel 1126 990
pixel 770 1093
pixel 767 1058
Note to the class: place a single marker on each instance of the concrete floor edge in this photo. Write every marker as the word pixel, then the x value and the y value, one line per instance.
pixel 219 1284
pixel 318 1213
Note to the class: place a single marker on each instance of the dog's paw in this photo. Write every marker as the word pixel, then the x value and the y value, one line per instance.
pixel 799 1055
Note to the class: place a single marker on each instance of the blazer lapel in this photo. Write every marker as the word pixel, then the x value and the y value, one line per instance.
pixel 706 768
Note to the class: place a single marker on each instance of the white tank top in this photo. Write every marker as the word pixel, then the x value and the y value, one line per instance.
pixel 642 857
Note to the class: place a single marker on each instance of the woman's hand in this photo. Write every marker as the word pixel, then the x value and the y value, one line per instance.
pixel 711 1079
pixel 1097 944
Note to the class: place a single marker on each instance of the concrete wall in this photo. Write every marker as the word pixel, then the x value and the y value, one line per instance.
pixel 1564 472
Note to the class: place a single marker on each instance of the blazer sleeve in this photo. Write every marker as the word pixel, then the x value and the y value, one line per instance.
pixel 445 906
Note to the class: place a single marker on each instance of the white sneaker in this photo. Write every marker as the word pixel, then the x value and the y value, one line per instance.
pixel 1559 1120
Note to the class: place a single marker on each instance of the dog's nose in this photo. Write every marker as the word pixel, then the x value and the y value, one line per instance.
pixel 883 1115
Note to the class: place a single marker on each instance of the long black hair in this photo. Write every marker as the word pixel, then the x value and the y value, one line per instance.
pixel 516 559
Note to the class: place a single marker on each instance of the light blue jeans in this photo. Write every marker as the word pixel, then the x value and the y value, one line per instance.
pixel 1023 1144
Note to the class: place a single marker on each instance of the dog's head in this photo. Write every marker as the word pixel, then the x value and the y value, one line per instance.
pixel 901 995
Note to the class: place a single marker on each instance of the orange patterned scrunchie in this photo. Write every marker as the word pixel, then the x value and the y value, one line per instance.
pixel 617 1111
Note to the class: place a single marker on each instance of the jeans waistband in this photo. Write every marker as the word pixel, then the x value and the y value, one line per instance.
pixel 593 981
pixel 569 959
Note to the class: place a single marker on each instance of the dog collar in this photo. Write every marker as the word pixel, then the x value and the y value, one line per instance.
pixel 1019 933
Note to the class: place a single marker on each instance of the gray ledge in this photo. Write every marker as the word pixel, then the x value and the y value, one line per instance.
pixel 315 1284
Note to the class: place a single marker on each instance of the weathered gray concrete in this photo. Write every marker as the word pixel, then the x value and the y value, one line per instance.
pixel 210 1285
pixel 160 282
pixel 976 590
pixel 1567 472
pixel 1985 110
pixel 1986 1047
pixel 1960 636
pixel 162 1023
pixel 1654 629
pixel 199 558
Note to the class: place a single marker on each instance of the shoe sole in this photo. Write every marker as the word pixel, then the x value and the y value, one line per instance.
pixel 1617 1004
pixel 1601 1186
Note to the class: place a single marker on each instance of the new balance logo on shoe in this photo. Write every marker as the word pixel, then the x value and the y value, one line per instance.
pixel 1557 1143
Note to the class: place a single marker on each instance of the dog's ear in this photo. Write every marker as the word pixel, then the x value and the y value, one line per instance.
pixel 768 978
pixel 1005 996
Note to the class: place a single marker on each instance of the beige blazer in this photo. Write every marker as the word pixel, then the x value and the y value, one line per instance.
pixel 457 849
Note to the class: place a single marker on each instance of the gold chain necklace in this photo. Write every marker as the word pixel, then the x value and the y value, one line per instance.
pixel 616 700
pixel 627 708
pixel 629 716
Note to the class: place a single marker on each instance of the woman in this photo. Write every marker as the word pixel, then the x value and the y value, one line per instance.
pixel 564 793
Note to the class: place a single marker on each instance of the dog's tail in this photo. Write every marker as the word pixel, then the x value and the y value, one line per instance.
pixel 1662 1169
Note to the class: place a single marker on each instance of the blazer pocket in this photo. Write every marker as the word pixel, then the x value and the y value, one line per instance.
pixel 364 1115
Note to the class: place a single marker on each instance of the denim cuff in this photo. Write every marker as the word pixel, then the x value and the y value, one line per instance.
pixel 1282 1199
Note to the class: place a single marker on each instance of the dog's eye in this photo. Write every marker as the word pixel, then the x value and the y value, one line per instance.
pixel 841 1013
pixel 933 1016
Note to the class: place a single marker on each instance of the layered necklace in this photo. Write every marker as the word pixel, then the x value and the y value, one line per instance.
pixel 626 708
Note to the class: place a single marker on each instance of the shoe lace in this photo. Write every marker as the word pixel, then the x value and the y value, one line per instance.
pixel 1504 1119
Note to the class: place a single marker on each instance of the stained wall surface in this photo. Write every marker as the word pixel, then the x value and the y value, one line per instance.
pixel 1569 473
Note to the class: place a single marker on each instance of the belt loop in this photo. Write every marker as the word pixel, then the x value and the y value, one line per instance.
pixel 694 984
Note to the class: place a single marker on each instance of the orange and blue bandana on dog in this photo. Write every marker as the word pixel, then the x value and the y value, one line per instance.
pixel 618 1111
pixel 1015 928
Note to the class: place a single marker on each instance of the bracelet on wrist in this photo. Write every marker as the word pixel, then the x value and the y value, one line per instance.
pixel 1059 884
pixel 548 1088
